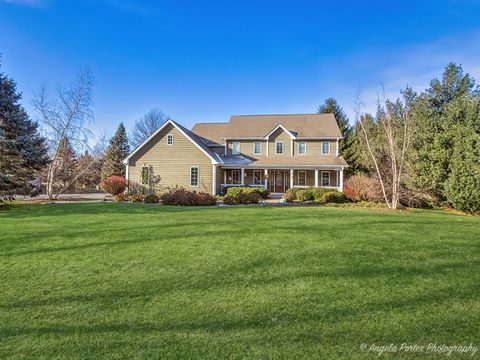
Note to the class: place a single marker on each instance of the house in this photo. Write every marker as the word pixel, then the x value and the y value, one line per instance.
pixel 272 151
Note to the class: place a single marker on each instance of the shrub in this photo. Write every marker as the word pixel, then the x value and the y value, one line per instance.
pixel 290 196
pixel 334 197
pixel 151 199
pixel 137 198
pixel 363 188
pixel 242 198
pixel 292 193
pixel 305 195
pixel 188 198
pixel 318 193
pixel 237 190
pixel 114 185
pixel 121 197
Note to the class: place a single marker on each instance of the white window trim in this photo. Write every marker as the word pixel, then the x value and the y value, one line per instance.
pixel 238 152
pixel 298 178
pixel 239 177
pixel 260 177
pixel 260 152
pixel 321 178
pixel 327 142
pixel 198 176
pixel 169 136
pixel 283 147
pixel 305 153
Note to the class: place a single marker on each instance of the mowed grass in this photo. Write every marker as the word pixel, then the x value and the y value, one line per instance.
pixel 100 280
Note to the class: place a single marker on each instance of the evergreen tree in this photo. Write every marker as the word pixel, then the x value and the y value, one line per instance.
pixel 22 150
pixel 116 152
pixel 66 163
pixel 347 146
pixel 91 169
pixel 438 116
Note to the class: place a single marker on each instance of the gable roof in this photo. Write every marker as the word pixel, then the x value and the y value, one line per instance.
pixel 292 135
pixel 259 126
pixel 187 133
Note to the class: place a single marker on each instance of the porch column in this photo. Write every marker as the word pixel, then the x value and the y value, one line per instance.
pixel 214 180
pixel 225 176
pixel 242 175
pixel 340 184
pixel 265 176
pixel 291 178
pixel 316 177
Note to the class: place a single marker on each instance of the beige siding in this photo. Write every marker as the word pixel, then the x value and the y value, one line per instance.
pixel 314 147
pixel 246 147
pixel 172 162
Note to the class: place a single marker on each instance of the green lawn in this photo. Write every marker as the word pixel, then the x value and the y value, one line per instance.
pixel 105 280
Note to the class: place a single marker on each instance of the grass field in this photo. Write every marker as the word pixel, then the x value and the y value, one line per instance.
pixel 100 280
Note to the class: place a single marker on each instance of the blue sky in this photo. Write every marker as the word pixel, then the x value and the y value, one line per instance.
pixel 205 61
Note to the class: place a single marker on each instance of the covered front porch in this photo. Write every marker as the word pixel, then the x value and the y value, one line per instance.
pixel 280 180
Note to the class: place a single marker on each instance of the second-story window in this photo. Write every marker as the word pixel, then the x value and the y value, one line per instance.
pixel 325 148
pixel 235 147
pixel 302 148
pixel 279 147
pixel 170 139
pixel 257 147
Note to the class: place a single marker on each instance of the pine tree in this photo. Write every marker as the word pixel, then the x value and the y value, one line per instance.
pixel 346 146
pixel 116 152
pixel 66 163
pixel 22 150
pixel 90 170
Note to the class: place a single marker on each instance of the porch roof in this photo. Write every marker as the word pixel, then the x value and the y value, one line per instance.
pixel 287 161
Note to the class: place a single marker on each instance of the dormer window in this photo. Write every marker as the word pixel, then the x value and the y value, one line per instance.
pixel 257 148
pixel 170 139
pixel 279 147
pixel 325 148
pixel 235 148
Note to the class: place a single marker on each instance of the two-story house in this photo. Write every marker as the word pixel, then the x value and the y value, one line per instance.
pixel 273 151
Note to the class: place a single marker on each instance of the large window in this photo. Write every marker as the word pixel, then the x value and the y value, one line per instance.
pixel 302 178
pixel 257 177
pixel 325 178
pixel 325 148
pixel 235 147
pixel 194 175
pixel 279 147
pixel 170 139
pixel 257 147
pixel 235 176
pixel 302 148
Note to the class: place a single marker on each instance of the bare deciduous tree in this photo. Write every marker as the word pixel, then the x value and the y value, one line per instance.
pixel 66 116
pixel 146 126
pixel 392 142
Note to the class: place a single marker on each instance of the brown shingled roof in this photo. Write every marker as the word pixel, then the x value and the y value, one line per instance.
pixel 257 126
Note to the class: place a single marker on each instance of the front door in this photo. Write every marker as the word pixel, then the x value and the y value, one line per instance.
pixel 279 181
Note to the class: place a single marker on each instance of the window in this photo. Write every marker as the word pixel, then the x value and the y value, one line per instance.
pixel 325 178
pixel 257 177
pixel 325 148
pixel 257 147
pixel 235 176
pixel 302 178
pixel 194 171
pixel 235 147
pixel 278 147
pixel 146 174
pixel 302 148
pixel 170 139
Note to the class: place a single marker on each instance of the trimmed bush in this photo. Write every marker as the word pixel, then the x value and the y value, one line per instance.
pixel 114 185
pixel 188 198
pixel 290 197
pixel 363 188
pixel 334 197
pixel 237 190
pixel 137 198
pixel 242 198
pixel 121 197
pixel 151 199
pixel 305 194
